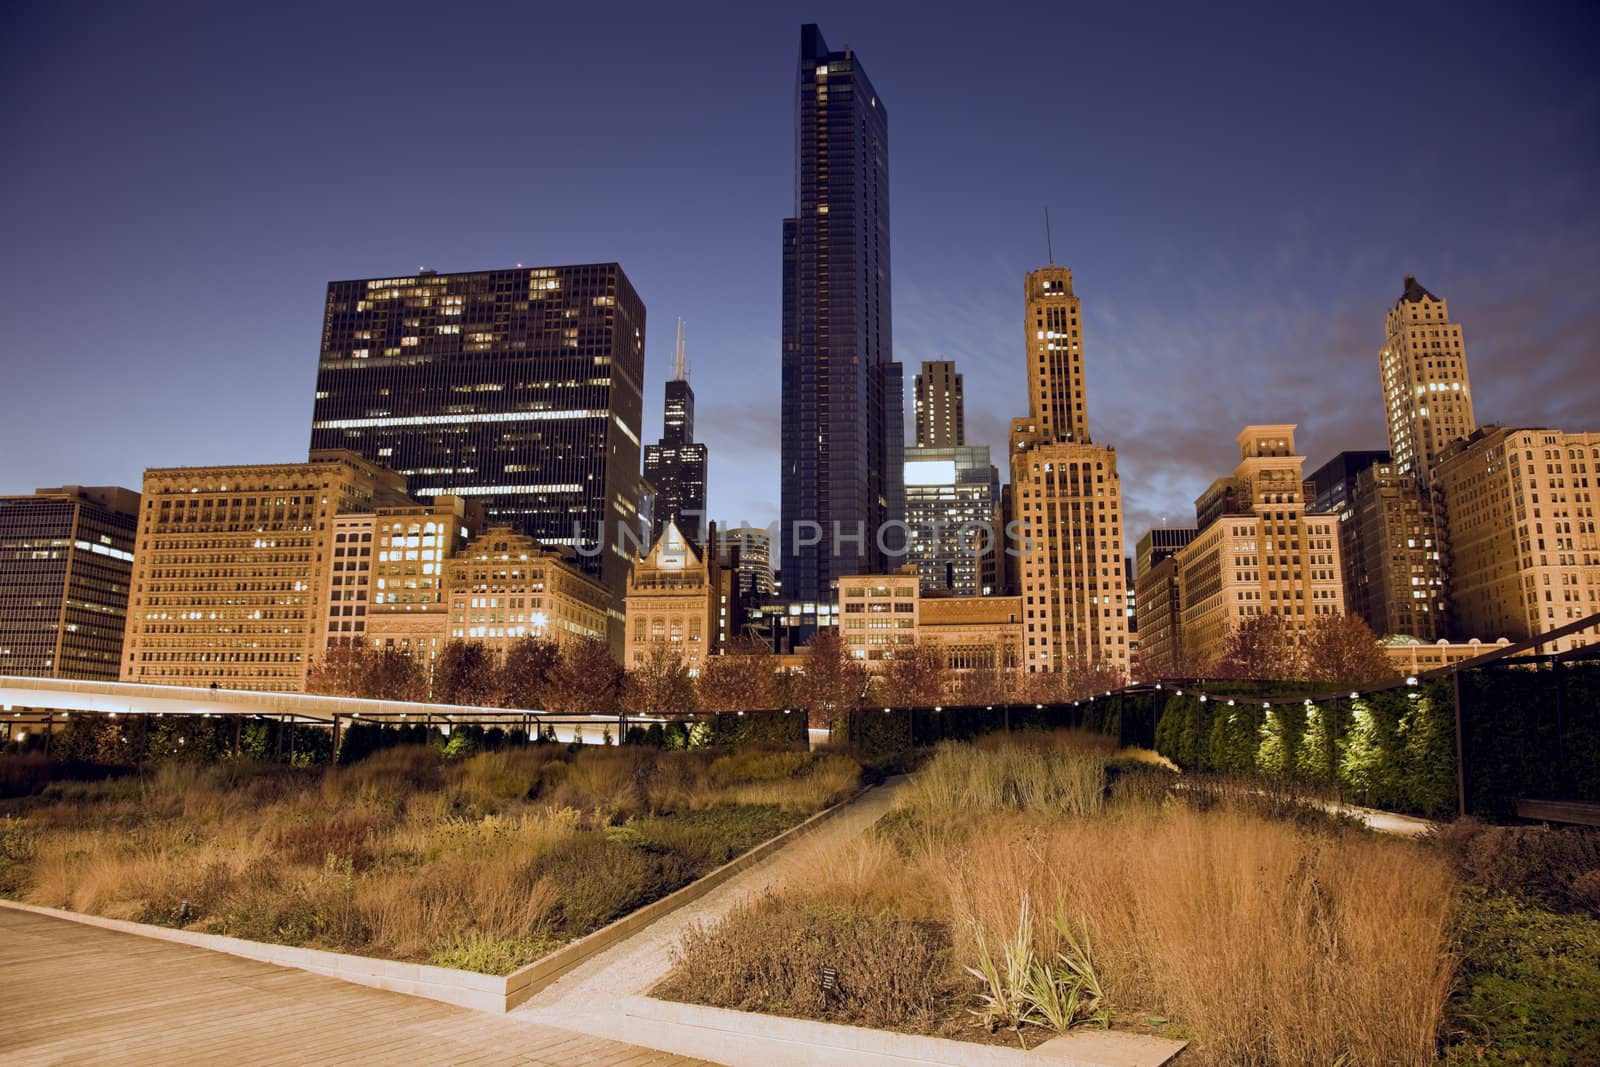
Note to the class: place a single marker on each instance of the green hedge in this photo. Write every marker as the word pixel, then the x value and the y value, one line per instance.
pixel 1529 733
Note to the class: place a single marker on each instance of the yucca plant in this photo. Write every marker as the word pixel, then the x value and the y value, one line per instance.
pixel 1005 1004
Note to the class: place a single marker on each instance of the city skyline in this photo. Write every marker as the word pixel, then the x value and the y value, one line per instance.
pixel 1172 297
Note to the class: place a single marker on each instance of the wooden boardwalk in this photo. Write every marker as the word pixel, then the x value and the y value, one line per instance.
pixel 75 994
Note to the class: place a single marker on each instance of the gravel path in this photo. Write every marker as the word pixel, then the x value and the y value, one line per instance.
pixel 585 998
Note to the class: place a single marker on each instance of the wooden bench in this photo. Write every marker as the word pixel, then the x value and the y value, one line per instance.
pixel 1569 811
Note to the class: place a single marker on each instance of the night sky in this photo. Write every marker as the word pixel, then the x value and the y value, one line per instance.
pixel 1238 190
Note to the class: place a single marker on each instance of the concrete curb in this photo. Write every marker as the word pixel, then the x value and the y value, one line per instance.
pixel 738 1037
pixel 525 983
pixel 466 989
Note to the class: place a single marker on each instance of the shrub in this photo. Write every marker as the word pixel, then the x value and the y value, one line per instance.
pixel 1558 868
pixel 770 956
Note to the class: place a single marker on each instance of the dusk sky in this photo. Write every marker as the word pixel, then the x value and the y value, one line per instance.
pixel 1239 196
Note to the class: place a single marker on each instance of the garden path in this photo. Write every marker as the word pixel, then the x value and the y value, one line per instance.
pixel 82 994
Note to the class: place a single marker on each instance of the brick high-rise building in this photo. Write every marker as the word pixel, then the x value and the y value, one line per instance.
pixel 1389 557
pixel 1426 394
pixel 230 568
pixel 1261 549
pixel 1067 493
pixel 521 388
pixel 66 563
pixel 843 403
pixel 1517 515
pixel 941 410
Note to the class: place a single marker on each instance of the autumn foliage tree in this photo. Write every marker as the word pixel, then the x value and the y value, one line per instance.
pixel 1342 650
pixel 743 678
pixel 525 676
pixel 359 670
pixel 587 681
pixel 915 676
pixel 659 684
pixel 1264 646
pixel 467 673
pixel 834 682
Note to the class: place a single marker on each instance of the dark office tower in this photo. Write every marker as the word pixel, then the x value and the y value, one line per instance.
pixel 676 465
pixel 65 560
pixel 521 388
pixel 843 411
pixel 941 410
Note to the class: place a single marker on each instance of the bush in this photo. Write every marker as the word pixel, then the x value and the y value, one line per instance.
pixel 1559 869
pixel 770 956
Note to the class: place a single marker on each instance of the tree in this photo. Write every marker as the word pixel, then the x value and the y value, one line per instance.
pixel 354 670
pixel 660 684
pixel 1080 681
pixel 743 678
pixel 1342 650
pixel 587 681
pixel 466 673
pixel 835 682
pixel 1263 646
pixel 526 673
pixel 989 685
pixel 915 676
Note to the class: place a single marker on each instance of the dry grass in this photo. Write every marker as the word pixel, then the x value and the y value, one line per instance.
pixel 485 862
pixel 1265 941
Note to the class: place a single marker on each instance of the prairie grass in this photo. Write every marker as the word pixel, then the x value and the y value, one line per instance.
pixel 484 862
pixel 1264 940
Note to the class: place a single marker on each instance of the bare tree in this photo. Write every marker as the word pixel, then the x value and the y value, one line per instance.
pixel 660 685
pixel 1343 650
pixel 989 685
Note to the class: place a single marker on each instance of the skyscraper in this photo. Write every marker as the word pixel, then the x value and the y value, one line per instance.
pixel 953 517
pixel 676 465
pixel 1390 561
pixel 1425 390
pixel 1067 493
pixel 940 407
pixel 843 434
pixel 521 388
pixel 66 560
pixel 231 566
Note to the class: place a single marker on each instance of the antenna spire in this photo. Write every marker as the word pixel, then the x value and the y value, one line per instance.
pixel 680 359
pixel 1049 246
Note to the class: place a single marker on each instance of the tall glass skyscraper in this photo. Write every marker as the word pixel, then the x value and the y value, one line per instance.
pixel 676 465
pixel 843 406
pixel 521 388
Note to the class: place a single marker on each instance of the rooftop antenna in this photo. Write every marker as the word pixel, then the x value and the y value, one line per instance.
pixel 1048 245
pixel 680 361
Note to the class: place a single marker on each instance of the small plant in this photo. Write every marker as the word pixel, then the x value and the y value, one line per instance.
pixel 1005 1003
pixel 1024 990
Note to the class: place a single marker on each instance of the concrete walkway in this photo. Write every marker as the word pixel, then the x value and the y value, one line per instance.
pixel 75 994
pixel 586 998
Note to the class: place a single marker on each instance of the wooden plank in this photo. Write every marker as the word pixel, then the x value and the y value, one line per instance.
pixel 1566 811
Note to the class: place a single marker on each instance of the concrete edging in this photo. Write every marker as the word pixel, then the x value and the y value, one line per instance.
pixel 726 1036
pixel 466 989
pixel 523 984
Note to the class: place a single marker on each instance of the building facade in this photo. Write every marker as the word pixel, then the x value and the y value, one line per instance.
pixel 675 601
pixel 1260 549
pixel 1412 657
pixel 952 518
pixel 409 601
pixel 972 633
pixel 230 568
pixel 843 405
pixel 1393 576
pixel 520 388
pixel 1158 605
pixel 1426 394
pixel 940 407
pixel 504 587
pixel 676 465
pixel 878 614
pixel 1517 515
pixel 1067 497
pixel 66 564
